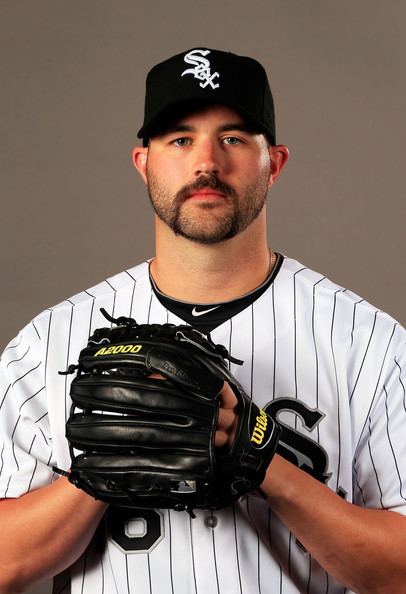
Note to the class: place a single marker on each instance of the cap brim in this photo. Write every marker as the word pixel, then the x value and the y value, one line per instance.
pixel 176 110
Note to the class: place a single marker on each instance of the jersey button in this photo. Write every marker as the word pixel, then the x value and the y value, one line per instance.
pixel 211 521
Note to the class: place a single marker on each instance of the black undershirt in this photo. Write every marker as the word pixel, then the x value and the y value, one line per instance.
pixel 216 313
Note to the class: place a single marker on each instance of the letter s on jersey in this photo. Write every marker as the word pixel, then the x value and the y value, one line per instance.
pixel 295 447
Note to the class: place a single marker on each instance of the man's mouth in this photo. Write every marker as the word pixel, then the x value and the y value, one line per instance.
pixel 206 194
pixel 209 189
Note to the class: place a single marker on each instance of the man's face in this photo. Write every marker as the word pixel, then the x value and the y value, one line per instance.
pixel 208 175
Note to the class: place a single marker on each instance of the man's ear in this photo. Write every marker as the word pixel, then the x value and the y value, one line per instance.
pixel 140 161
pixel 279 155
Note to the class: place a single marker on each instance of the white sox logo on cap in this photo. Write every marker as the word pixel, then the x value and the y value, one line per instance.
pixel 202 69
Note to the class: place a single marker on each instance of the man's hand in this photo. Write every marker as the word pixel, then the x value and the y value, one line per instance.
pixel 228 418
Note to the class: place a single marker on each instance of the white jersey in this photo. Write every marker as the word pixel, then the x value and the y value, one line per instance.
pixel 327 365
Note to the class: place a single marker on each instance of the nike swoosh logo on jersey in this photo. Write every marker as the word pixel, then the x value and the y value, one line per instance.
pixel 196 313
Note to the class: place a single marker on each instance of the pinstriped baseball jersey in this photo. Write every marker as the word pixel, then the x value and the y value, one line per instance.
pixel 326 364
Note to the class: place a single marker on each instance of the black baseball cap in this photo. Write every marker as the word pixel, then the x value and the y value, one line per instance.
pixel 199 76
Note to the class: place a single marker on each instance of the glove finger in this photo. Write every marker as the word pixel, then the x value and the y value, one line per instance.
pixel 189 465
pixel 185 370
pixel 127 394
pixel 106 433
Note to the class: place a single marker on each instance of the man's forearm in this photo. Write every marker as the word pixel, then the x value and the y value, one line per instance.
pixel 43 532
pixel 363 548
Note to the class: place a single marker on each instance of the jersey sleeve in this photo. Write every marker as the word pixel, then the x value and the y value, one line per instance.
pixel 380 458
pixel 25 443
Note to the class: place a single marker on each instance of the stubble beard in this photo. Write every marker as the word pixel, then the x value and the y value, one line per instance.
pixel 208 224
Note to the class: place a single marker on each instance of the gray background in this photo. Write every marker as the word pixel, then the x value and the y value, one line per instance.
pixel 72 87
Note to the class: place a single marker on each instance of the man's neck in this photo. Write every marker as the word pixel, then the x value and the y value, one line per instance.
pixel 198 273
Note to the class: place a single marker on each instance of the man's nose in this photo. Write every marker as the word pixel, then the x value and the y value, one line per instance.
pixel 208 158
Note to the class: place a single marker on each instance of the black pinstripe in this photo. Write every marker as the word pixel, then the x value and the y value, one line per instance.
pixel 67 361
pixel 391 446
pixel 127 576
pixel 378 380
pixel 132 299
pixel 91 312
pixel 31 397
pixel 32 476
pixel 236 549
pixel 113 305
pixel 84 570
pixel 170 550
pixel 215 559
pixel 12 345
pixel 102 572
pixel 258 546
pixel 358 484
pixel 111 571
pixel 270 513
pixel 192 550
pixel 36 330
pixel 401 383
pixel 13 444
pixel 19 358
pixel 353 320
pixel 316 352
pixel 149 573
pixel 337 391
pixel 48 335
pixel 8 486
pixel 2 459
pixel 25 374
pixel 274 340
pixel 42 433
pixel 5 395
pixel 364 357
pixel 373 463
pixel 295 328
pixel 150 305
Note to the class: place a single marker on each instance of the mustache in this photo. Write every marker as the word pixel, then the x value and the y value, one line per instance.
pixel 205 181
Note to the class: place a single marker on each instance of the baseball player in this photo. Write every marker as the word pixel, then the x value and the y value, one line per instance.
pixel 325 364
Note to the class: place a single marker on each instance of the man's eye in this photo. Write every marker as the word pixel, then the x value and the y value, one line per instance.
pixel 231 140
pixel 181 142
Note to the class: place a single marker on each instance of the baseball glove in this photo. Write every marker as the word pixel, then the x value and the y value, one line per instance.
pixel 145 442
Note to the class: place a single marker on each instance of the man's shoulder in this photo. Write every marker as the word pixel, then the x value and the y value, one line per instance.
pixel 322 292
pixel 104 293
pixel 105 288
